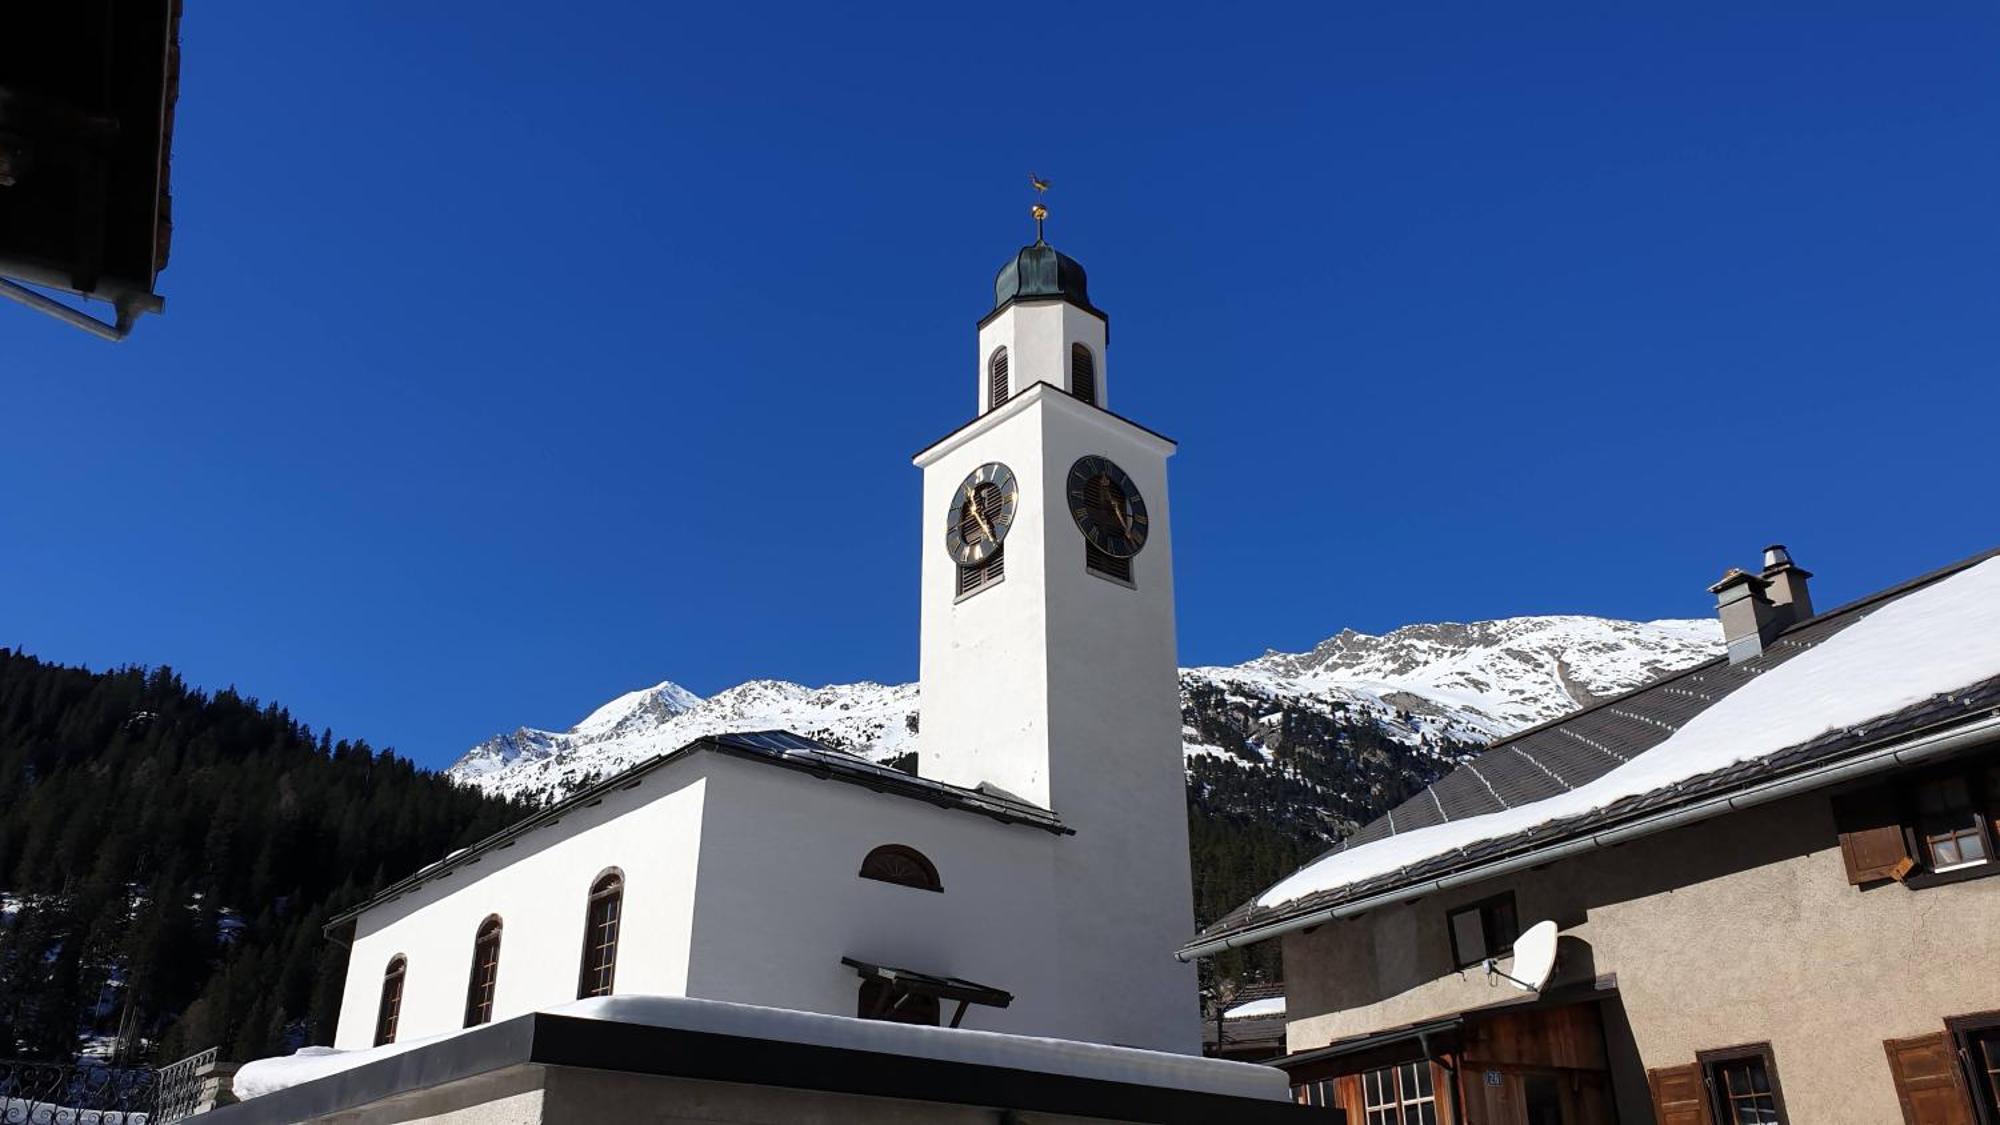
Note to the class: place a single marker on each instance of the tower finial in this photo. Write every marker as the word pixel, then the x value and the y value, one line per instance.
pixel 1040 211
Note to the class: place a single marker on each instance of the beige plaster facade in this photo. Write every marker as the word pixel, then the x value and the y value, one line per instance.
pixel 1736 930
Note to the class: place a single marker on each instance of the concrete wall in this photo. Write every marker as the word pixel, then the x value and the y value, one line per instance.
pixel 534 1095
pixel 540 888
pixel 1739 930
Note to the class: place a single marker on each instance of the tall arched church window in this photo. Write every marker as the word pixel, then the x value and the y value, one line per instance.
pixel 600 935
pixel 485 972
pixel 897 863
pixel 996 379
pixel 391 1008
pixel 1082 374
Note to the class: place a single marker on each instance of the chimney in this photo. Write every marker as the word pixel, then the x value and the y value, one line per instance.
pixel 1787 584
pixel 1749 620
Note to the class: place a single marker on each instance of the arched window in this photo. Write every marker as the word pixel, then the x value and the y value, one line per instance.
pixel 485 972
pixel 392 1001
pixel 600 934
pixel 906 866
pixel 996 379
pixel 1082 374
pixel 884 1000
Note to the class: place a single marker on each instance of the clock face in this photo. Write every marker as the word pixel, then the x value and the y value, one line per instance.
pixel 1107 507
pixel 982 509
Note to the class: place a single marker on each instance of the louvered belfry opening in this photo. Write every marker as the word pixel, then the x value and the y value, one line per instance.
pixel 391 1009
pixel 600 935
pixel 485 973
pixel 996 379
pixel 1082 374
pixel 972 579
pixel 1110 566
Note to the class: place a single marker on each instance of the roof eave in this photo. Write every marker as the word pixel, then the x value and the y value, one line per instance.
pixel 1889 754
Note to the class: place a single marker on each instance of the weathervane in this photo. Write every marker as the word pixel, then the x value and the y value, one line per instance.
pixel 1039 210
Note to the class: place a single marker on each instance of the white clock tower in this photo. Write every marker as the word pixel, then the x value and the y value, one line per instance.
pixel 1048 666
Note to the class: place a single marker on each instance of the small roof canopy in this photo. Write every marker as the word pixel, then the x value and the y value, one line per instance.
pixel 925 984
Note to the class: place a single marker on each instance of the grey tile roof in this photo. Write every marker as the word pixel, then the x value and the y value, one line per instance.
pixel 772 747
pixel 1587 744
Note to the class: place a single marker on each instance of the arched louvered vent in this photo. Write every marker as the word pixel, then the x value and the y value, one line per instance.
pixel 903 865
pixel 1109 565
pixel 1082 374
pixel 996 379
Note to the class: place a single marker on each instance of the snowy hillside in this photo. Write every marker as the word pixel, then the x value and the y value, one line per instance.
pixel 1431 688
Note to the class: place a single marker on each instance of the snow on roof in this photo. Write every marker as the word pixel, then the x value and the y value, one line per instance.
pixel 1934 640
pixel 949 1044
pixel 1269 1006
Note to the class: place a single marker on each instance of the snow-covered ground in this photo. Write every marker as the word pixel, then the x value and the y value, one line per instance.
pixel 1936 640
pixel 749 1021
pixel 1422 683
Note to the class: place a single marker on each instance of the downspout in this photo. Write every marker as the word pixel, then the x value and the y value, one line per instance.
pixel 1918 749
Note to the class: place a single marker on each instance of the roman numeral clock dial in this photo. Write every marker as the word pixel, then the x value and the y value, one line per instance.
pixel 1107 507
pixel 982 509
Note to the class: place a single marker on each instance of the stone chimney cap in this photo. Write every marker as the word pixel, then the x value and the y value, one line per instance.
pixel 1737 576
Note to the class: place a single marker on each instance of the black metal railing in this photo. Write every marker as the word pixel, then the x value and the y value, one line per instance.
pixel 91 1093
pixel 40 1093
pixel 178 1092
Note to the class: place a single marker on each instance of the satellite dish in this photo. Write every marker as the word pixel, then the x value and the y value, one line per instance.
pixel 1534 958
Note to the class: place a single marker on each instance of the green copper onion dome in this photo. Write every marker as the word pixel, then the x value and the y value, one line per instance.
pixel 1039 271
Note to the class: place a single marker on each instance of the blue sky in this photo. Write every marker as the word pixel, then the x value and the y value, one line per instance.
pixel 521 355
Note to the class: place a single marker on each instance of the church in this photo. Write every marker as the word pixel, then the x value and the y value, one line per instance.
pixel 1031 878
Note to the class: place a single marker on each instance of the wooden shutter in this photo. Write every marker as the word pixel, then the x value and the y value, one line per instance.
pixel 1680 1097
pixel 1872 841
pixel 1927 1082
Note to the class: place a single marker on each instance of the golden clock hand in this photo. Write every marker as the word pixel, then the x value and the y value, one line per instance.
pixel 972 500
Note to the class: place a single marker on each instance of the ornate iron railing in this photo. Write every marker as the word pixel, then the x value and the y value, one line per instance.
pixel 179 1090
pixel 34 1093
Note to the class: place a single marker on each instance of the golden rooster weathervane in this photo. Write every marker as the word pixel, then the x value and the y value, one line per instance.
pixel 1040 211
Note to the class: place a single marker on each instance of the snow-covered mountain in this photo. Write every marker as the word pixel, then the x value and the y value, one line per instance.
pixel 1429 687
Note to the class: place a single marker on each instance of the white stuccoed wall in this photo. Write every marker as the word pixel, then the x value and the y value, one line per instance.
pixel 781 900
pixel 540 888
pixel 1061 687
pixel 1037 335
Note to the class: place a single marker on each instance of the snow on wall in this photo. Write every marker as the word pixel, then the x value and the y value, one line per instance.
pixel 1940 638
pixel 1018 1052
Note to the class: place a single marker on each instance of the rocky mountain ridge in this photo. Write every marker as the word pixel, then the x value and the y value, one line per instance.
pixel 1429 692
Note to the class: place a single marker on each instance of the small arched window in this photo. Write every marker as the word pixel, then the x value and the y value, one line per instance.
pixel 905 866
pixel 996 379
pixel 1082 374
pixel 485 972
pixel 391 1008
pixel 600 935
